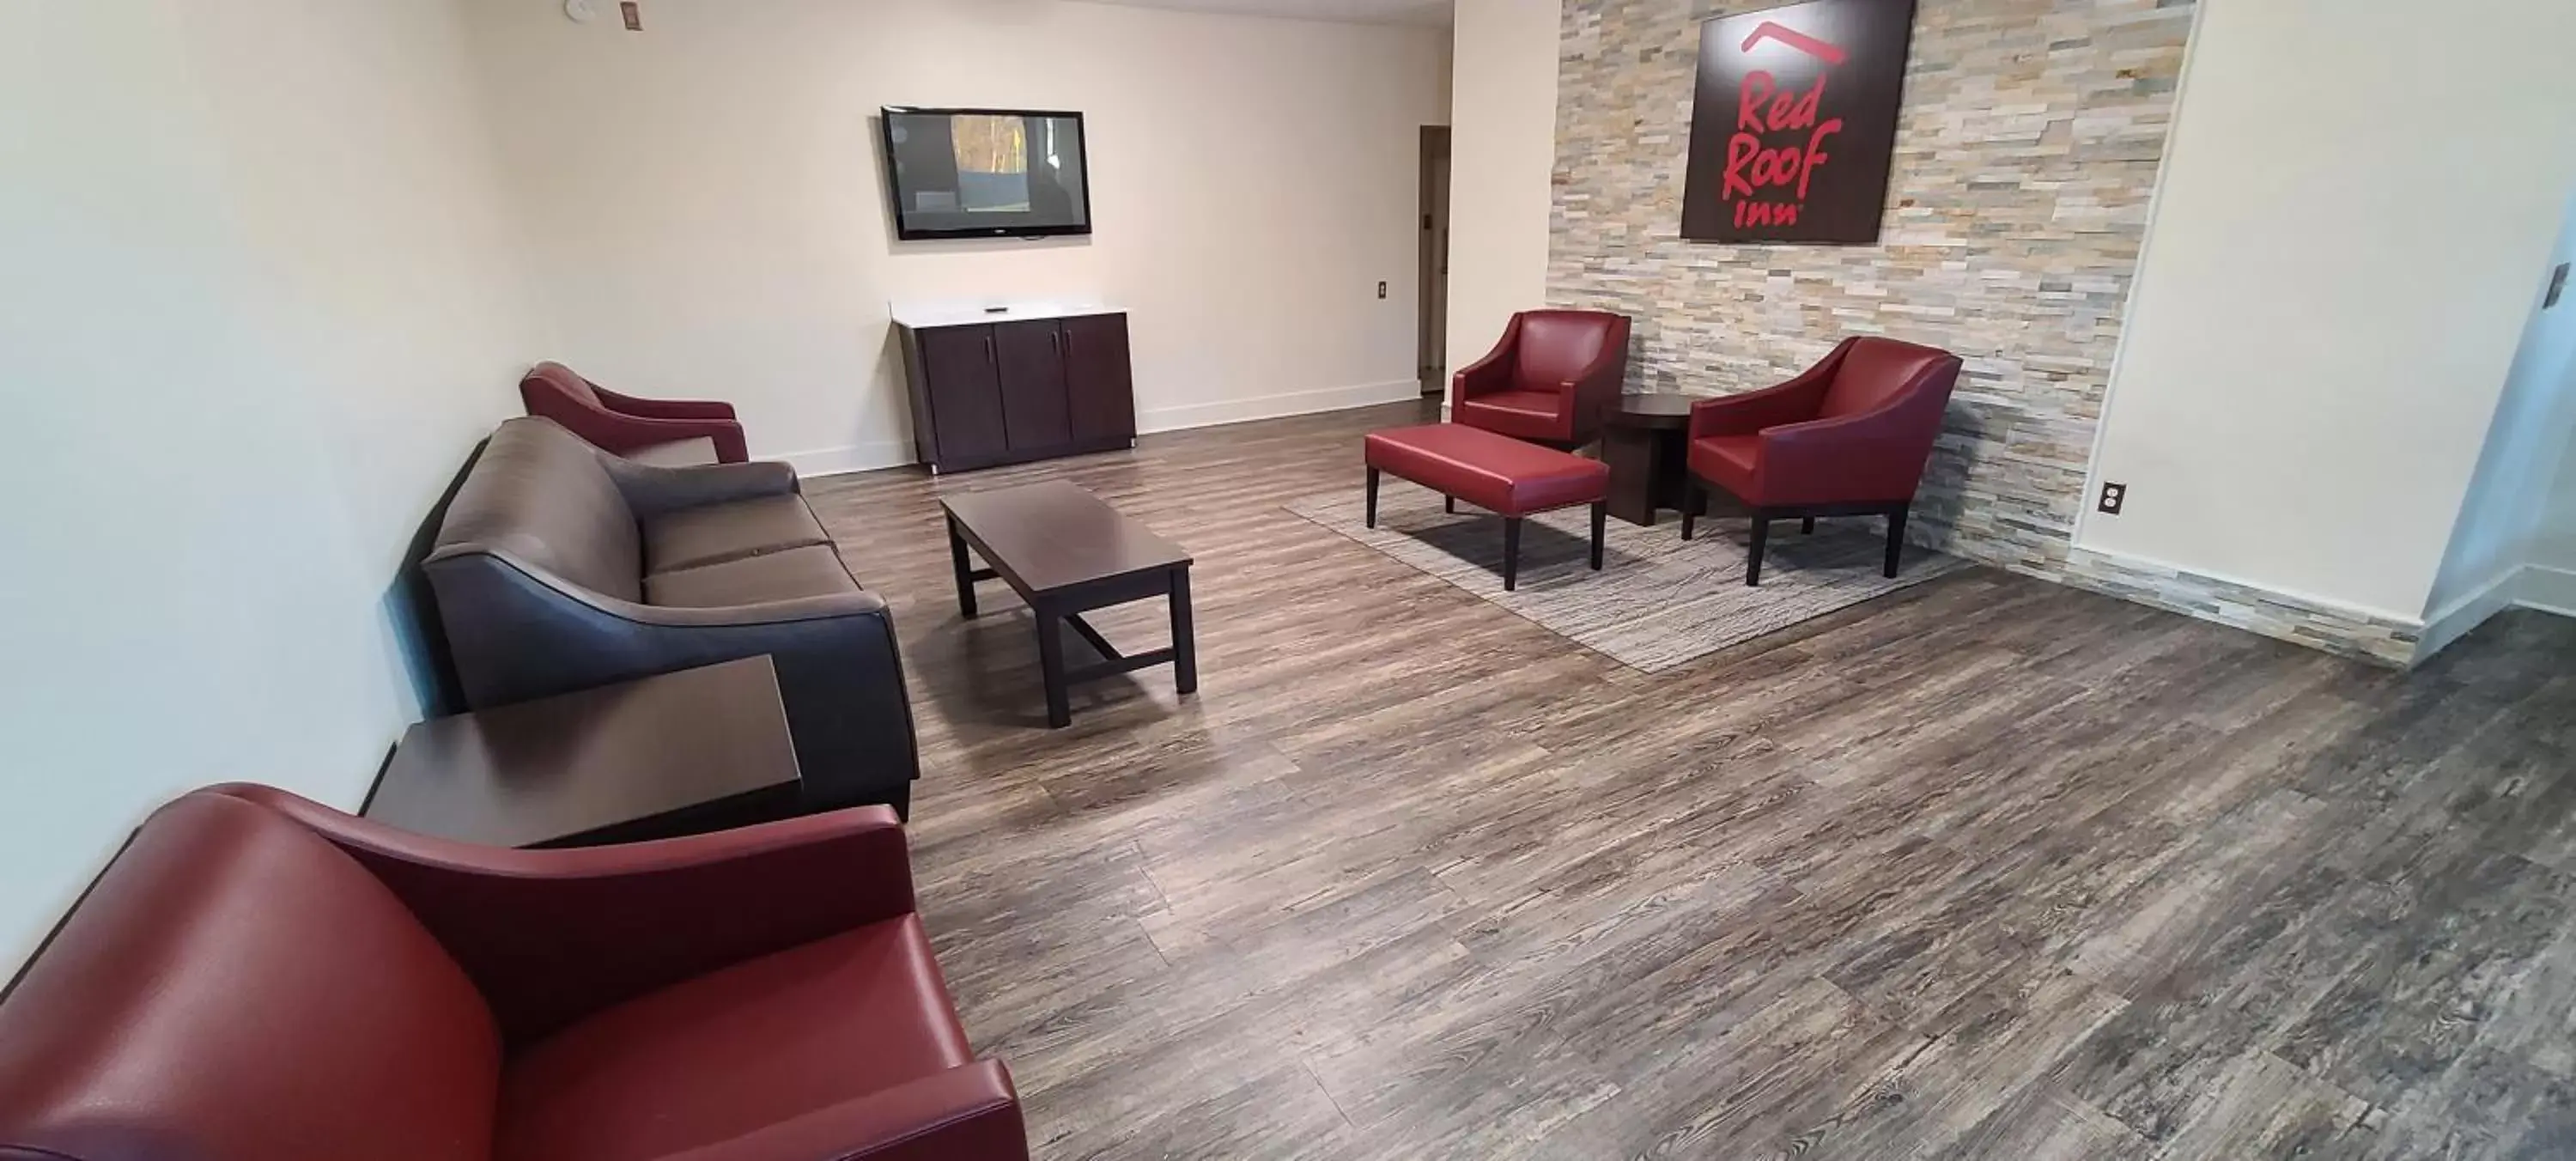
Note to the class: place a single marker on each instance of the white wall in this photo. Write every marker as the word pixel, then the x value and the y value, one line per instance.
pixel 2356 203
pixel 1502 167
pixel 711 218
pixel 2500 519
pixel 2549 573
pixel 259 305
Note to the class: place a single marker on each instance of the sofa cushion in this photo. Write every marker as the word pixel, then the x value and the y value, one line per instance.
pixel 1728 461
pixel 1874 372
pixel 753 1045
pixel 236 986
pixel 729 531
pixel 564 380
pixel 791 574
pixel 1557 346
pixel 1494 472
pixel 540 494
pixel 1521 414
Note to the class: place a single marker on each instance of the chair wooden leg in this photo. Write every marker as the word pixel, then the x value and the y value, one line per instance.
pixel 1895 536
pixel 1600 517
pixel 1807 527
pixel 1511 553
pixel 1761 536
pixel 1372 497
pixel 1692 498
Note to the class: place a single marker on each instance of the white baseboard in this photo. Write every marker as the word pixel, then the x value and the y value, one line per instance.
pixel 2455 620
pixel 835 461
pixel 2550 590
pixel 1276 406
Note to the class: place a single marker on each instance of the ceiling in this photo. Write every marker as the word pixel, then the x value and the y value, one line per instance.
pixel 1428 13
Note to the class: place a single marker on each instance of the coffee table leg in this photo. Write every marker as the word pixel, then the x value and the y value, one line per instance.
pixel 1051 665
pixel 965 575
pixel 1185 645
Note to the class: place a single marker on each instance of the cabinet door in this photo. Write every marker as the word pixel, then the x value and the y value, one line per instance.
pixel 1031 355
pixel 1098 385
pixel 965 391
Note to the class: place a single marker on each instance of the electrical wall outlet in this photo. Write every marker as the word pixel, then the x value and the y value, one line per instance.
pixel 1381 290
pixel 633 11
pixel 2113 495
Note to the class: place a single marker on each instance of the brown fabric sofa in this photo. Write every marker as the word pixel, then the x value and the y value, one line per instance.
pixel 562 567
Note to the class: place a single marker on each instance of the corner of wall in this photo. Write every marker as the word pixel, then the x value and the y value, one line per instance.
pixel 2548 588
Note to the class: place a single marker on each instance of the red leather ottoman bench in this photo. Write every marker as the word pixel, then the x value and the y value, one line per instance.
pixel 1500 474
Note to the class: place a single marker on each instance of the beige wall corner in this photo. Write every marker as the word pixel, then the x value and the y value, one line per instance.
pixel 1503 158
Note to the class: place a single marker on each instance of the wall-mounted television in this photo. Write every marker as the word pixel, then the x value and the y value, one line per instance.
pixel 986 173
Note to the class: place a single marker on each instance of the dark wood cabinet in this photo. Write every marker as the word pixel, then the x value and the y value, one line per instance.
pixel 961 360
pixel 1012 390
pixel 1035 412
pixel 1096 378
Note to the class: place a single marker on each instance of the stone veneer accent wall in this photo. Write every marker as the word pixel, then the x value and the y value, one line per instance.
pixel 2026 151
pixel 2026 154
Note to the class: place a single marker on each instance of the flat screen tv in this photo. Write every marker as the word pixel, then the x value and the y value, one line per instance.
pixel 986 173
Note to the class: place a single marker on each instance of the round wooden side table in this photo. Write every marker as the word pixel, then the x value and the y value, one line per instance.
pixel 1645 438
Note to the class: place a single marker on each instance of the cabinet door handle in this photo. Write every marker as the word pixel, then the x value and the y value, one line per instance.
pixel 1056 339
pixel 989 356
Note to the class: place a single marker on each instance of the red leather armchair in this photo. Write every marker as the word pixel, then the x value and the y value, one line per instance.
pixel 639 429
pixel 1848 437
pixel 1550 379
pixel 258 977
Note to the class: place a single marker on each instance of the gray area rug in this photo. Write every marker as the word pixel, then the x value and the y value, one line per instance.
pixel 1658 601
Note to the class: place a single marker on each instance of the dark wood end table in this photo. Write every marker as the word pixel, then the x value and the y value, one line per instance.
pixel 677 753
pixel 1066 552
pixel 1645 438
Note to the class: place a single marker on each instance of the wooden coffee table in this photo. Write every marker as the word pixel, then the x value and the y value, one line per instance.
pixel 677 753
pixel 1646 439
pixel 1065 552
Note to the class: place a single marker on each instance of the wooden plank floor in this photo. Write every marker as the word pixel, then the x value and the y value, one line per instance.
pixel 1987 868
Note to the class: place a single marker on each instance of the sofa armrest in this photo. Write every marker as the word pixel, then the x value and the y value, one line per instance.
pixel 613 432
pixel 662 408
pixel 1872 456
pixel 550 936
pixel 652 491
pixel 1748 412
pixel 968 1113
pixel 1489 374
pixel 1594 392
pixel 517 631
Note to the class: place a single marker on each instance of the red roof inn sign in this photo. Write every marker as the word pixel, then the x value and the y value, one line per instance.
pixel 1795 122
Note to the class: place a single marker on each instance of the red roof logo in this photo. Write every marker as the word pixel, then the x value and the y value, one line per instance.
pixel 1825 51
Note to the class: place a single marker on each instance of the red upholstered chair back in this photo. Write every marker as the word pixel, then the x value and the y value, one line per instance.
pixel 1559 345
pixel 560 381
pixel 235 986
pixel 1876 371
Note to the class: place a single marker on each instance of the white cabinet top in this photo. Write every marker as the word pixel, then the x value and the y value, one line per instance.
pixel 918 315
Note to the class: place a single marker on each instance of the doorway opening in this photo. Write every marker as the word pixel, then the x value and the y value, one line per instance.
pixel 1433 346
